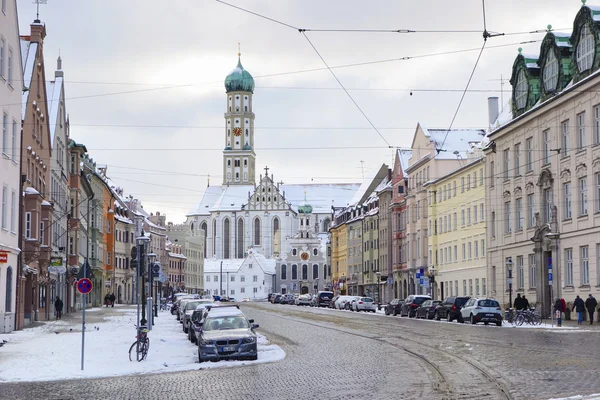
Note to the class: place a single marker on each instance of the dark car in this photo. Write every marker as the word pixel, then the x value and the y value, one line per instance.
pixel 394 307
pixel 450 308
pixel 228 336
pixel 332 301
pixel 276 298
pixel 322 299
pixel 412 302
pixel 427 309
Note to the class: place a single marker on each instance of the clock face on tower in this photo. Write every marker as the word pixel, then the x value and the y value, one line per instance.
pixel 237 131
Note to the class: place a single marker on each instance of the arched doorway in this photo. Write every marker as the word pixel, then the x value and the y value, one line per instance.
pixel 404 289
pixel 119 294
pixel 395 289
pixel 304 290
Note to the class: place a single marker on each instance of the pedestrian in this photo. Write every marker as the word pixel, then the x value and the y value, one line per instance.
pixel 579 307
pixel 518 303
pixel 564 304
pixel 107 299
pixel 58 306
pixel 112 299
pixel 558 309
pixel 591 304
pixel 525 303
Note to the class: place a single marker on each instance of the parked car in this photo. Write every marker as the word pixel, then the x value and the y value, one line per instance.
pixel 227 336
pixel 286 298
pixel 276 298
pixel 181 308
pixel 340 303
pixel 450 308
pixel 333 300
pixel 322 299
pixel 412 302
pixel 363 304
pixel 216 308
pixel 195 319
pixel 303 300
pixel 190 306
pixel 245 299
pixel 394 307
pixel 427 309
pixel 482 310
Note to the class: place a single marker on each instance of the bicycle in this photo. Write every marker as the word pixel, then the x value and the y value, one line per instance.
pixel 509 315
pixel 529 316
pixel 141 345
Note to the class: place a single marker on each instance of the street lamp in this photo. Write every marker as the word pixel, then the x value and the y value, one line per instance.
pixel 151 260
pixel 509 267
pixel 432 272
pixel 378 275
pixel 142 242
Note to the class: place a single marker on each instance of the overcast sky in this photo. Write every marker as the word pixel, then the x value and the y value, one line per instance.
pixel 144 81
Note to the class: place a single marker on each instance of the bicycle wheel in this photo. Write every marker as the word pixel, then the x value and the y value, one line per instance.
pixel 144 346
pixel 133 351
pixel 537 319
pixel 519 319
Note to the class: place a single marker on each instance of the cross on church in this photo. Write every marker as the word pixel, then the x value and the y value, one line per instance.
pixel 266 170
pixel 38 2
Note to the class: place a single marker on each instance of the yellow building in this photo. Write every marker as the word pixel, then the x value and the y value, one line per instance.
pixel 339 257
pixel 457 229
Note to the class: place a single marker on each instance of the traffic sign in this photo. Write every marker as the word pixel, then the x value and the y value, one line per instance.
pixel 390 281
pixel 84 286
pixel 155 270
pixel 134 252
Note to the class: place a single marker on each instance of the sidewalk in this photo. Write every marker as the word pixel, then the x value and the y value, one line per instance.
pixel 52 350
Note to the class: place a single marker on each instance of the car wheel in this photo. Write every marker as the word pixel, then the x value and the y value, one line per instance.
pixel 394 313
pixel 448 317
pixel 254 358
pixel 386 312
pixel 499 323
pixel 486 323
pixel 436 315
pixel 427 315
pixel 200 359
pixel 460 319
pixel 472 320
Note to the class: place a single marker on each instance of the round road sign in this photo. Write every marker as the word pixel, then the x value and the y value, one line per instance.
pixel 84 286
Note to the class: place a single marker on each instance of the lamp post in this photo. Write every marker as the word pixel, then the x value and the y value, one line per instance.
pixel 378 278
pixel 142 242
pixel 509 267
pixel 151 260
pixel 432 272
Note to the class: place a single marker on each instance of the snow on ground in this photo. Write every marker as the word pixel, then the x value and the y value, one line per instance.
pixel 42 354
pixel 580 397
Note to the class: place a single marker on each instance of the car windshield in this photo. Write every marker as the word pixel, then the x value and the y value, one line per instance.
pixel 420 300
pixel 192 305
pixel 326 295
pixel 366 299
pixel 225 322
pixel 488 303
pixel 427 303
pixel 461 301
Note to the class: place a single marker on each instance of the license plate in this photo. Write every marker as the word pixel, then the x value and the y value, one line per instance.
pixel 227 348
pixel 489 315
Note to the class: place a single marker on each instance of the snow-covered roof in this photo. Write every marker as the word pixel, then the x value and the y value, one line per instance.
pixel 123 219
pixel 46 203
pixel 177 255
pixel 28 53
pixel 455 143
pixel 267 265
pixel 404 156
pixel 53 91
pixel 31 190
pixel 595 12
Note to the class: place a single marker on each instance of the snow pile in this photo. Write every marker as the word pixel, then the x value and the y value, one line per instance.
pixel 595 396
pixel 53 351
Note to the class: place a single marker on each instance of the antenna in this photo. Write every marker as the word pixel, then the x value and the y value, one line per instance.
pixel 502 82
pixel 38 2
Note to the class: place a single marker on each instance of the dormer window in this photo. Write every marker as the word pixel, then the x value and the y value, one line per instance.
pixel 521 90
pixel 551 72
pixel 585 49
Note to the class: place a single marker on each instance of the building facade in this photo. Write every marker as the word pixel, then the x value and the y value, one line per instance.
pixel 399 218
pixel 543 166
pixel 191 244
pixel 11 78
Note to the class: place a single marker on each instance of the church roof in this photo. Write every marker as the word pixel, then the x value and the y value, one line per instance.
pixel 213 265
pixel 239 80
pixel 53 92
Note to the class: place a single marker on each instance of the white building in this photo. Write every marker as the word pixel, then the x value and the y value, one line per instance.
pixel 11 82
pixel 192 248
pixel 250 277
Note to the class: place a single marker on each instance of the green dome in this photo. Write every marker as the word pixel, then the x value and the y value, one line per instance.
pixel 239 80
pixel 305 209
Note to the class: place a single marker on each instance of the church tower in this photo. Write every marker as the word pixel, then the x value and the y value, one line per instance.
pixel 239 158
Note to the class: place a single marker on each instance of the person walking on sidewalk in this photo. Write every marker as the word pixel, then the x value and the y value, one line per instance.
pixel 518 303
pixel 591 304
pixel 112 299
pixel 558 309
pixel 525 303
pixel 579 307
pixel 58 306
pixel 107 299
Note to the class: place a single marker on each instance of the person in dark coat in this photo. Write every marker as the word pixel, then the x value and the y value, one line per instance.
pixel 579 307
pixel 525 303
pixel 112 299
pixel 558 310
pixel 107 299
pixel 591 304
pixel 518 303
pixel 58 306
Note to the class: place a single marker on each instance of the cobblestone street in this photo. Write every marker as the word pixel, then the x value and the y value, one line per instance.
pixel 344 355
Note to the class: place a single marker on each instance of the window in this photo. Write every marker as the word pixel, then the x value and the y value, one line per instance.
pixel 518 159
pixel 469 182
pixel 519 216
pixel 469 216
pixel 507 217
pixel 255 278
pixel 464 287
pixel 4 11
pixel 483 287
pixel 5 134
pixel 216 278
pixel 598 193
pixel 568 267
pixel 13 211
pixel 546 146
pixel 283 272
pixel 2 56
pixel 255 290
pixel 506 163
pixel 475 179
pixel 456 216
pixel 581 131
pixel 585 49
pixel 481 214
pixel 521 90
pixel 315 273
pixel 232 278
pixel 565 138
pixel 42 229
pixel 585 265
pixel 597 125
pixel 548 205
pixel 530 211
pixel 470 248
pixel 583 196
pixel 454 188
pixel 529 154
pixel 462 184
pixel 294 272
pixel 567 203
pixel 482 247
pixel 455 253
pixel 492 177
pixel 232 292
pixel 532 271
pixel 551 72
pixel 464 251
pixel 242 290
pixel 243 278
pixel 10 57
pixel 474 214
pixel 28 225
pixel 207 278
pixel 493 224
pixel 520 273
pixel 4 207
pixel 257 232
pixel 14 142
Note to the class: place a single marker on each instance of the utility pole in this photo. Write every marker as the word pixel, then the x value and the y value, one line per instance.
pixel 221 280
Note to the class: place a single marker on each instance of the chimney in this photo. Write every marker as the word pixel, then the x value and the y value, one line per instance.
pixel 492 110
pixel 38 32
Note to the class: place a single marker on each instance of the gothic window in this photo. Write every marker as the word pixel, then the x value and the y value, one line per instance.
pixel 551 71
pixel 214 237
pixel 240 238
pixel 304 272
pixel 315 274
pixel 326 224
pixel 257 232
pixel 283 272
pixel 521 90
pixel 315 251
pixel 294 252
pixel 237 176
pixel 205 229
pixel 276 235
pixel 294 272
pixel 226 237
pixel 585 49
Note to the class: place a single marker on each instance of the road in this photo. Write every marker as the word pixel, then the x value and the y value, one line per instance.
pixel 344 355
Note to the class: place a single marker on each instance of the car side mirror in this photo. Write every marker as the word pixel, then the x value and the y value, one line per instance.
pixel 254 326
pixel 251 321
